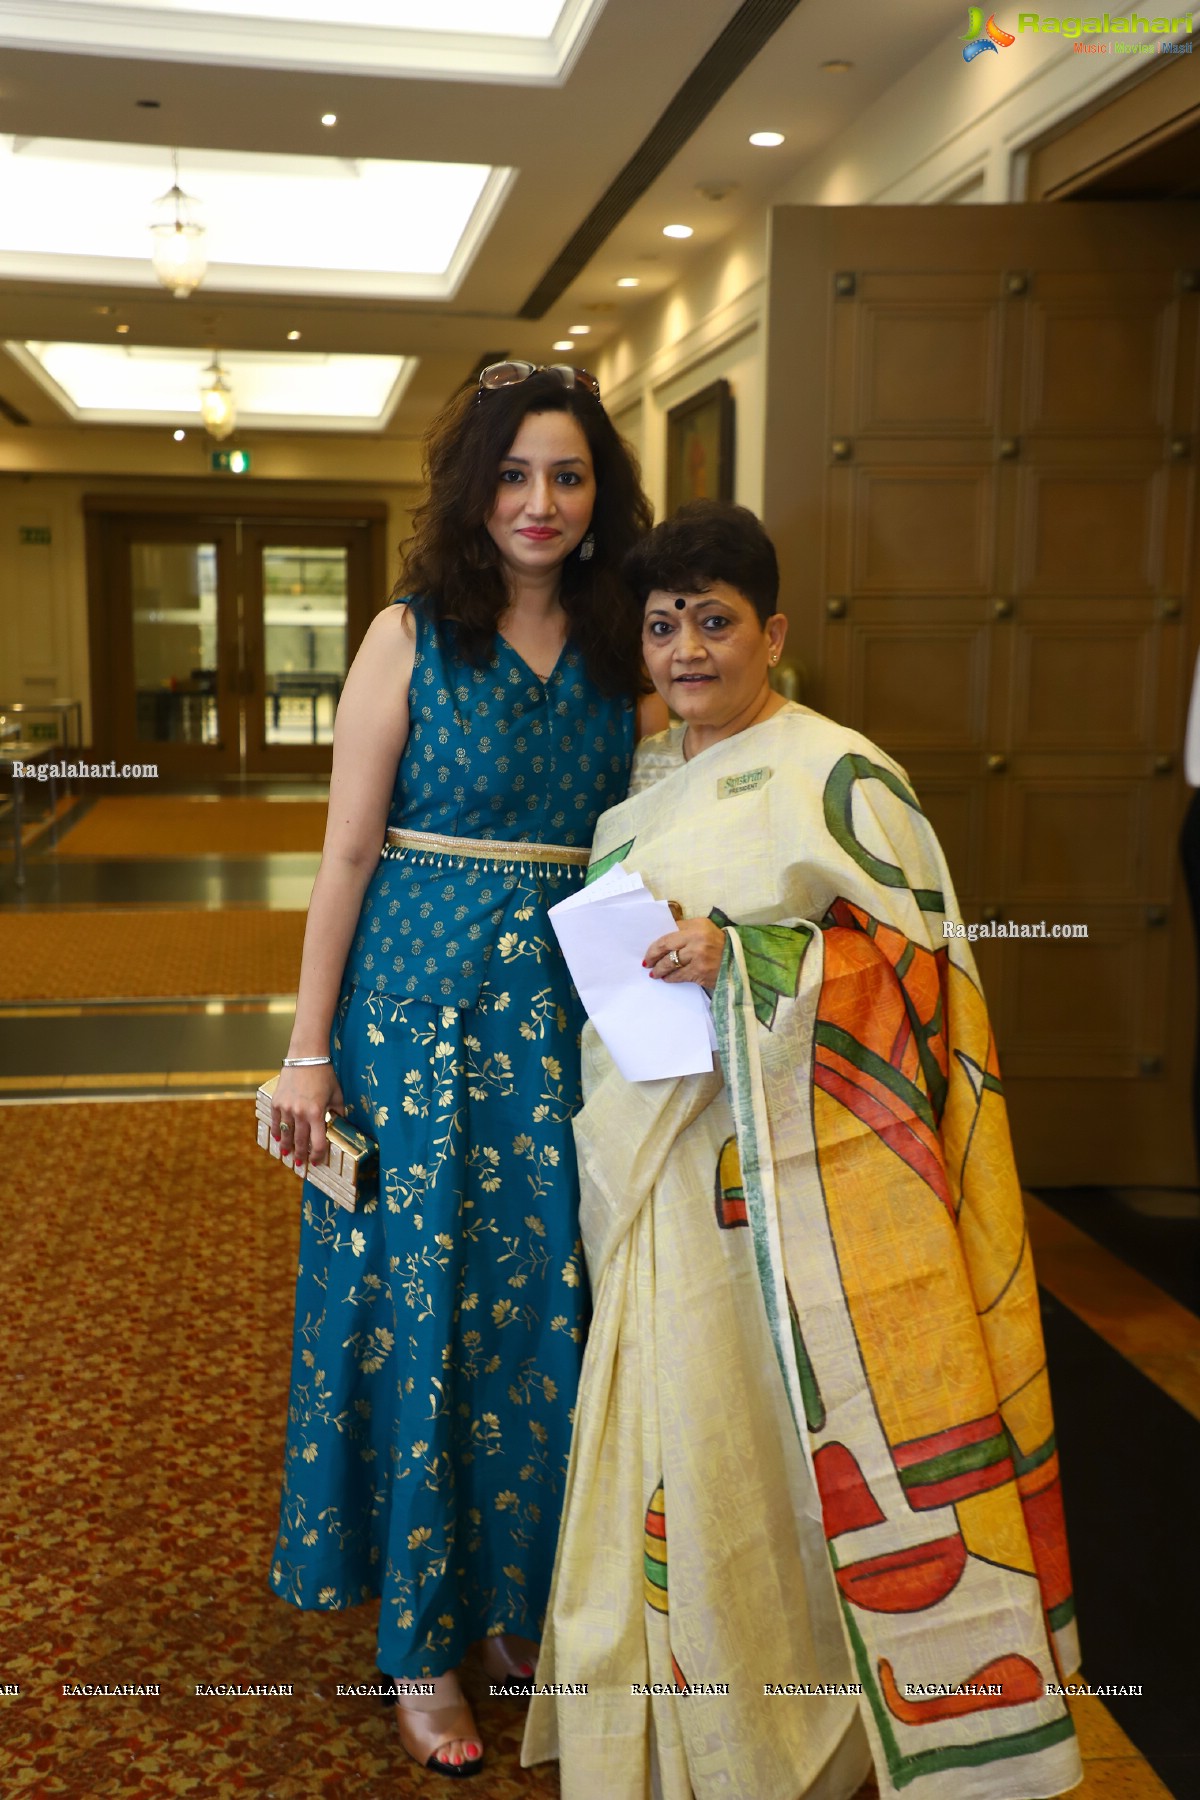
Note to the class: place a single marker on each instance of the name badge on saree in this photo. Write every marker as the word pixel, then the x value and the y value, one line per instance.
pixel 730 786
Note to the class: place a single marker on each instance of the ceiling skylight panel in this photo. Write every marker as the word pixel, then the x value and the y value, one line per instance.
pixel 82 211
pixel 534 42
pixel 476 18
pixel 144 384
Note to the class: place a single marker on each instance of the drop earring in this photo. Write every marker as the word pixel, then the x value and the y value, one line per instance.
pixel 587 548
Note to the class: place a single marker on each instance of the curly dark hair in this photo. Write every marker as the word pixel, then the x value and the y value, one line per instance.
pixel 453 568
pixel 707 540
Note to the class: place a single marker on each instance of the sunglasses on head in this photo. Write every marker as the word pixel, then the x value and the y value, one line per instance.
pixel 508 374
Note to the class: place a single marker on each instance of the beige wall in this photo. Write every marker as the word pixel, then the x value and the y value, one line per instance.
pixel 44 651
pixel 705 330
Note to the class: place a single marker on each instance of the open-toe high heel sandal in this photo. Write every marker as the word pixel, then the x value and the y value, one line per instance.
pixel 510 1662
pixel 427 1723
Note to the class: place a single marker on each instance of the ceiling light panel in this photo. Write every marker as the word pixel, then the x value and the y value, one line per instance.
pixel 78 211
pixel 528 41
pixel 109 384
pixel 474 18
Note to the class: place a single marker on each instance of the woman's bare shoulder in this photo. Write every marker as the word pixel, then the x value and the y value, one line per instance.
pixel 395 621
pixel 390 641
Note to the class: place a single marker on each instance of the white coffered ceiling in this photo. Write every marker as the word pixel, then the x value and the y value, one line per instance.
pixel 419 225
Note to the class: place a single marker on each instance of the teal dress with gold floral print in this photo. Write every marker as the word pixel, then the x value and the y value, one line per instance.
pixel 439 1329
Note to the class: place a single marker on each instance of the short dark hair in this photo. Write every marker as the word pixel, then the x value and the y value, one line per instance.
pixel 705 541
pixel 451 563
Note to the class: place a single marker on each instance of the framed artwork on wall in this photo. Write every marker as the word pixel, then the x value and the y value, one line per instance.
pixel 700 447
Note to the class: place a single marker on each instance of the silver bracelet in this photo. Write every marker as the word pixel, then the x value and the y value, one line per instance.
pixel 306 1062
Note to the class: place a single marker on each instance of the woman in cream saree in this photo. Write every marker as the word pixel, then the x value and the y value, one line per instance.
pixel 813 1501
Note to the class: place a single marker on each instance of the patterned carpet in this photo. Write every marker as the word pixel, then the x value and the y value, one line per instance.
pixel 149 1327
pixel 98 955
pixel 145 825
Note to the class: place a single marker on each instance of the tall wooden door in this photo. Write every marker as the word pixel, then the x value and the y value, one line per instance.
pixel 981 455
pixel 167 670
pixel 306 597
pixel 220 640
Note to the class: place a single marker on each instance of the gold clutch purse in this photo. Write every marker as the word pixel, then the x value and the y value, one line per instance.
pixel 351 1168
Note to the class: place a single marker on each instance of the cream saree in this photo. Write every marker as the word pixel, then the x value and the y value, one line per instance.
pixel 813 1499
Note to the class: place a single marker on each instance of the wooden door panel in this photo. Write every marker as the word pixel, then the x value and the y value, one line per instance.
pixel 1089 1009
pixel 1110 659
pixel 1091 531
pixel 983 495
pixel 1076 841
pixel 893 670
pixel 1100 363
pixel 902 343
pixel 922 531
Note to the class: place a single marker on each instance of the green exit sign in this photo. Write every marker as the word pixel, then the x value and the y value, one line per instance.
pixel 34 534
pixel 231 462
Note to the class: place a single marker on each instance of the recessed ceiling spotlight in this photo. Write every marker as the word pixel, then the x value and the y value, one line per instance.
pixel 293 336
pixel 563 344
pixel 179 436
pixel 837 65
pixel 122 329
pixel 579 330
pixel 628 281
pixel 766 140
pixel 677 231
pixel 329 118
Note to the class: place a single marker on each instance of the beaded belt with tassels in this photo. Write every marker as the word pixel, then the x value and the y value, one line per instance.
pixel 505 853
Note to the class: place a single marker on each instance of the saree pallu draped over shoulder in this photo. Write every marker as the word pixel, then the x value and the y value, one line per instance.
pixel 813 1502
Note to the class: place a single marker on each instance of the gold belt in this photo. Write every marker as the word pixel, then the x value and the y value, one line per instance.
pixel 508 853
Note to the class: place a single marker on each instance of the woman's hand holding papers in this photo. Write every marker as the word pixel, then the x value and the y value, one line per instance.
pixel 693 952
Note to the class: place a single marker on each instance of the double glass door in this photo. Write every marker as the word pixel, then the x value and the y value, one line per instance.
pixel 229 640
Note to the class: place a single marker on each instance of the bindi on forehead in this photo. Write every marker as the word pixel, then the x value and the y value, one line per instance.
pixel 680 605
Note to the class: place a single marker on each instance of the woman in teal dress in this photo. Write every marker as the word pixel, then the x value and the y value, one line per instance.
pixel 484 726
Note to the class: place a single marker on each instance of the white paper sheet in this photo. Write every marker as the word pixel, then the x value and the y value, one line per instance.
pixel 652 1029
